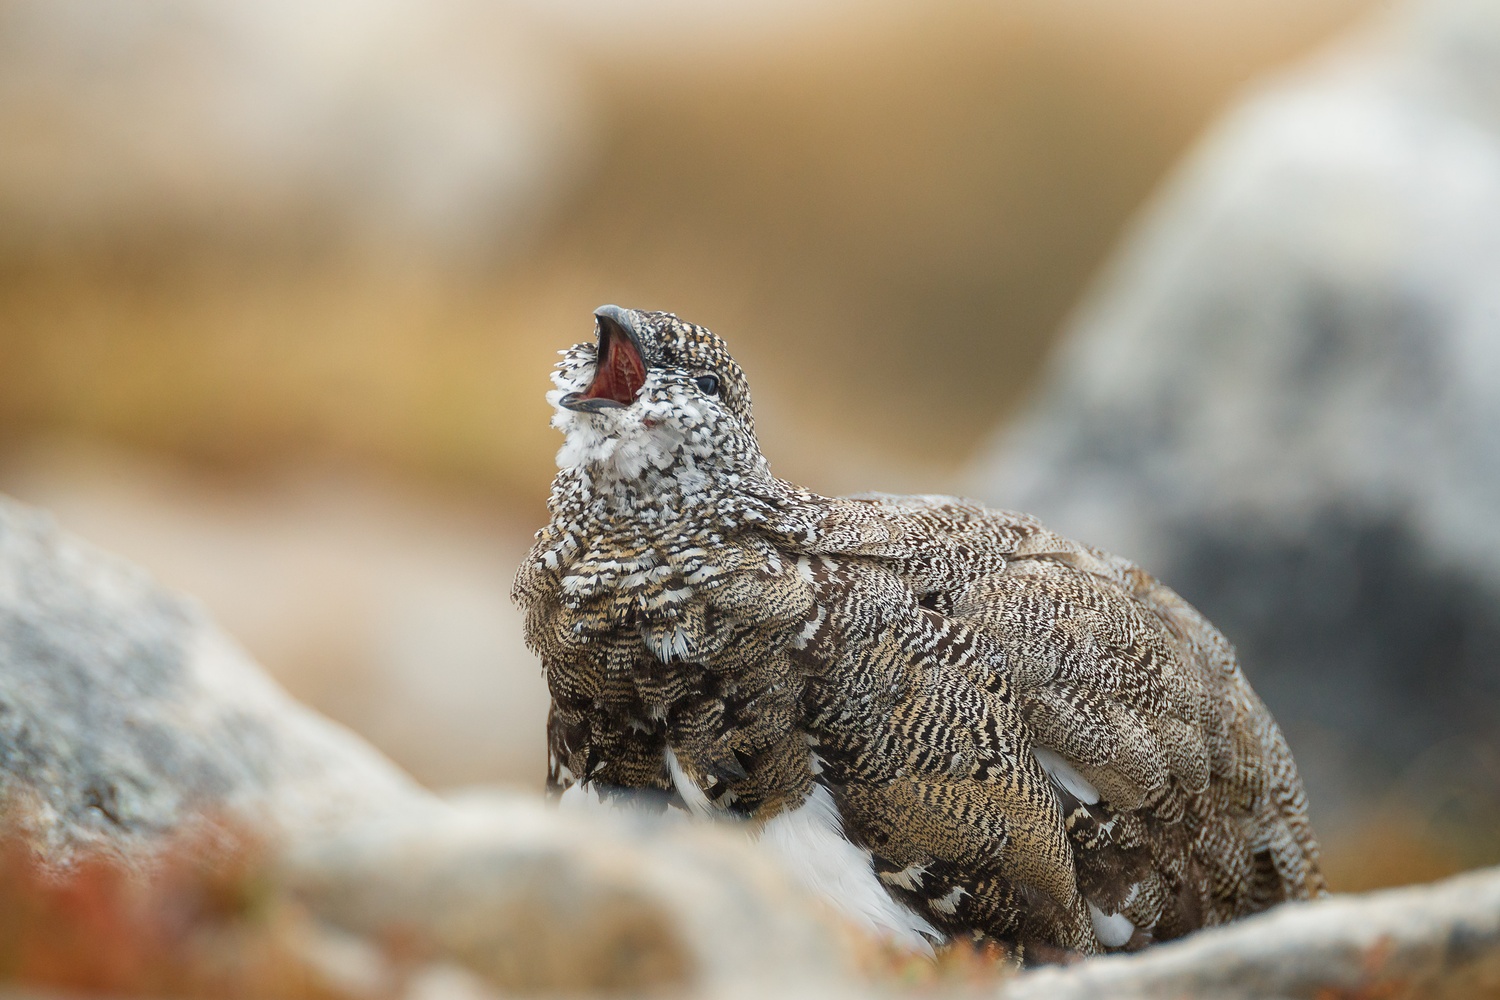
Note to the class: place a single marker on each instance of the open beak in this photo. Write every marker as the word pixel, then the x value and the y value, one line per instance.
pixel 621 369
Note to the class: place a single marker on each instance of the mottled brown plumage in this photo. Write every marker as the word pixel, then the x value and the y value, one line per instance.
pixel 1033 740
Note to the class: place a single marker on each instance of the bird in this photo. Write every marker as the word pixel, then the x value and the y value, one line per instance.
pixel 948 721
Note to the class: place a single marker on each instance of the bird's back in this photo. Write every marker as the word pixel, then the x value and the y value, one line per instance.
pixel 1172 799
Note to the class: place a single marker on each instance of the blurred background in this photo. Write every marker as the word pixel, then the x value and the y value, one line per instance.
pixel 281 283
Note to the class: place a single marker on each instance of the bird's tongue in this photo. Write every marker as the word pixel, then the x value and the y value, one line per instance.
pixel 620 373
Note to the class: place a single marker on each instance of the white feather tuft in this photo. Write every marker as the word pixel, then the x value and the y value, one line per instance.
pixel 1066 776
pixel 692 795
pixel 1112 929
pixel 809 841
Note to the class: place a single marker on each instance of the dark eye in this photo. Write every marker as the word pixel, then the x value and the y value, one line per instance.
pixel 709 384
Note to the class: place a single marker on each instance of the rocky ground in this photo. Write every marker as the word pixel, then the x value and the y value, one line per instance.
pixel 178 825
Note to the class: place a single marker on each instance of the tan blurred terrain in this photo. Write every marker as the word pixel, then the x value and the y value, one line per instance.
pixel 887 210
pixel 278 297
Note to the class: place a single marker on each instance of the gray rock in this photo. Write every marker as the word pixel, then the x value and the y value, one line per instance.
pixel 1438 942
pixel 125 715
pixel 1283 398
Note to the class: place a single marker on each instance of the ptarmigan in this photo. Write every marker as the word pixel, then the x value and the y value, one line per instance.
pixel 947 719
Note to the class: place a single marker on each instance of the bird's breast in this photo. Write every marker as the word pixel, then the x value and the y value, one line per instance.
pixel 683 680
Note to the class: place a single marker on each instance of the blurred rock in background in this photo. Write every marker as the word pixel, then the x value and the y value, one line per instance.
pixel 386 606
pixel 280 283
pixel 278 127
pixel 1284 398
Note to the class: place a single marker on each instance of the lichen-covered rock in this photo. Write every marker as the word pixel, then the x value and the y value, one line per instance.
pixel 1283 399
pixel 125 715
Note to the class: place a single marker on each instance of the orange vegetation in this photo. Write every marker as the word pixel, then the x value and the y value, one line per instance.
pixel 203 923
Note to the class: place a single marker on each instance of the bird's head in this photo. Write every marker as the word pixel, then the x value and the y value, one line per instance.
pixel 653 398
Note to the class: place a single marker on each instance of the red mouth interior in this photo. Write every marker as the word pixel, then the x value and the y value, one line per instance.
pixel 620 373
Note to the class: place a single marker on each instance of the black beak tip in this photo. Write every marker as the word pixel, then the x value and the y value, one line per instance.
pixel 576 401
